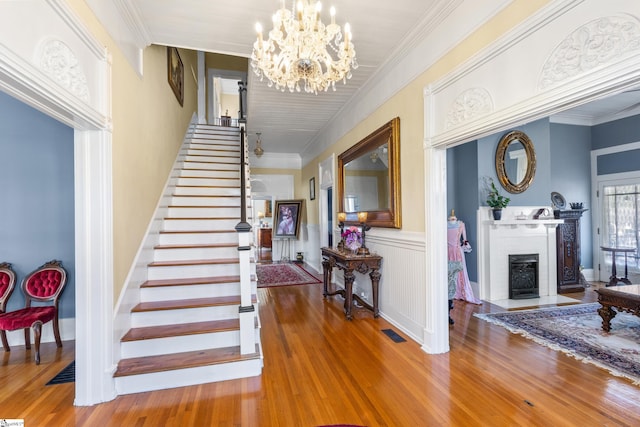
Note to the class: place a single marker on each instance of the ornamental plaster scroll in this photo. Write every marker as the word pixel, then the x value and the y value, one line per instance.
pixel 596 43
pixel 468 105
pixel 61 65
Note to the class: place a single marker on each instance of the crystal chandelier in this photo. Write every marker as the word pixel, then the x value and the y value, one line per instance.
pixel 301 47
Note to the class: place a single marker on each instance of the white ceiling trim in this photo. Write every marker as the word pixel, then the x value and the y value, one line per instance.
pixel 461 21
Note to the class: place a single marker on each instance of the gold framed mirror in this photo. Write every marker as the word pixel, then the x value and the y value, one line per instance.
pixel 369 178
pixel 515 162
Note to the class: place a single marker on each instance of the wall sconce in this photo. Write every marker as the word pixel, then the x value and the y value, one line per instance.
pixel 362 219
pixel 342 217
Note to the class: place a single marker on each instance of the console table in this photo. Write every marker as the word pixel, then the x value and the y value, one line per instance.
pixel 348 263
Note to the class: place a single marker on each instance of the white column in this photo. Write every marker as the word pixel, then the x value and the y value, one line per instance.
pixel 436 331
pixel 94 268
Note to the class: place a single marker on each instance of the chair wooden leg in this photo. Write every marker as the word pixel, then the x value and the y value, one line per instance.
pixel 56 332
pixel 37 330
pixel 27 338
pixel 5 343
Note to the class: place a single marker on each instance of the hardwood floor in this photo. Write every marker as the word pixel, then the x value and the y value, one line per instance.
pixel 321 369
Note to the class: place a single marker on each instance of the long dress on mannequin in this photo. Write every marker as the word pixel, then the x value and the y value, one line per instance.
pixel 456 234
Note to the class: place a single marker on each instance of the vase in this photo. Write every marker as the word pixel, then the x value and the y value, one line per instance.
pixel 354 246
pixel 497 214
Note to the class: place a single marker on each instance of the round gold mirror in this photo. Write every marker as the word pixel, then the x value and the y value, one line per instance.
pixel 515 162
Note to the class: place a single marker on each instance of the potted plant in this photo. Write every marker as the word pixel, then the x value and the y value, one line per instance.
pixel 496 201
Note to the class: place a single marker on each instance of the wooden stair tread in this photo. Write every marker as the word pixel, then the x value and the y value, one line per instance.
pixel 197 246
pixel 214 280
pixel 185 360
pixel 188 303
pixel 194 262
pixel 166 331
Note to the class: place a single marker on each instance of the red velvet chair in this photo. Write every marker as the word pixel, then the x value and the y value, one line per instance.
pixel 42 285
pixel 7 284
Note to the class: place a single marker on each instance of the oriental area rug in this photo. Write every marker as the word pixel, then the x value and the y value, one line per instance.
pixel 283 274
pixel 577 331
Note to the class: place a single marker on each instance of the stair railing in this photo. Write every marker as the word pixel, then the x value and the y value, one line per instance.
pixel 246 309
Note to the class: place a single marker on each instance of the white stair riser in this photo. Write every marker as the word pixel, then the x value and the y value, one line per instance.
pixel 195 172
pixel 190 376
pixel 168 293
pixel 213 137
pixel 204 212
pixel 185 315
pixel 204 199
pixel 211 166
pixel 197 238
pixel 167 345
pixel 184 254
pixel 200 224
pixel 226 152
pixel 192 271
pixel 208 182
pixel 211 159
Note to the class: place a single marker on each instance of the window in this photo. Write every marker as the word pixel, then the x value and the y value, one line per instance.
pixel 620 220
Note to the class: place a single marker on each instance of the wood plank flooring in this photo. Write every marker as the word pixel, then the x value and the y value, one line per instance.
pixel 321 369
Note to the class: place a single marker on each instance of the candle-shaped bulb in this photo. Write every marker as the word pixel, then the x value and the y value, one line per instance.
pixel 332 11
pixel 347 33
pixel 299 8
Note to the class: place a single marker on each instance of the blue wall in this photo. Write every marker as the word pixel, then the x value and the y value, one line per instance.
pixel 617 132
pixel 37 213
pixel 563 164
pixel 462 195
pixel 571 176
pixel 539 191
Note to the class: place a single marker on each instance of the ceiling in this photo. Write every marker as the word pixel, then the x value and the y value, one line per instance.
pixel 290 122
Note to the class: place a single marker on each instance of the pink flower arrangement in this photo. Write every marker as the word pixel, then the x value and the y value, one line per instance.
pixel 352 238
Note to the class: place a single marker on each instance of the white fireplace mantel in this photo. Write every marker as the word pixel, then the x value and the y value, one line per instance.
pixel 497 239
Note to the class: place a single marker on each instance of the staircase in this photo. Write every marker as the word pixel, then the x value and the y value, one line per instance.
pixel 186 328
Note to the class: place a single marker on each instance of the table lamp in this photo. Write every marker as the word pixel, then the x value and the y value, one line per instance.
pixel 362 219
pixel 342 217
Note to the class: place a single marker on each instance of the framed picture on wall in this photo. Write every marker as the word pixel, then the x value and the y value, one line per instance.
pixel 176 73
pixel 287 218
pixel 312 188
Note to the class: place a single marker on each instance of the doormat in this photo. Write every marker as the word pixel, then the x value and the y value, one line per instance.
pixel 576 330
pixel 283 274
pixel 67 375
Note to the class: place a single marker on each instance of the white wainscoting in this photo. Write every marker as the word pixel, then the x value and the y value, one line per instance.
pixel 402 291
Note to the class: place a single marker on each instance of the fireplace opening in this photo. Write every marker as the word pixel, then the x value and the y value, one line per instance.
pixel 523 276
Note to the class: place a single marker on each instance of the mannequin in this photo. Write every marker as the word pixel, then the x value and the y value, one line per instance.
pixel 456 237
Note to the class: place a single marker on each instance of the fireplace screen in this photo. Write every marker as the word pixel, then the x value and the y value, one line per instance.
pixel 523 276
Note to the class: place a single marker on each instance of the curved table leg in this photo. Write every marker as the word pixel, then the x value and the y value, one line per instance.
pixel 375 280
pixel 348 290
pixel 607 313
